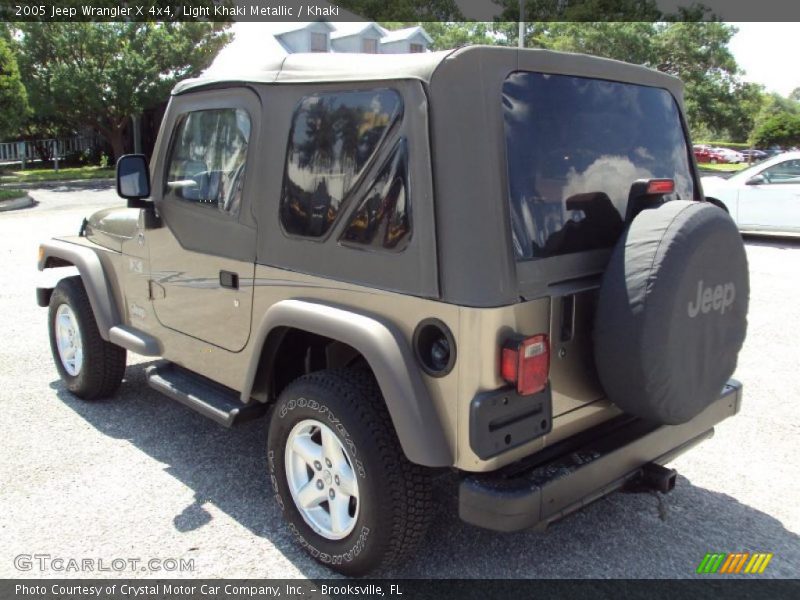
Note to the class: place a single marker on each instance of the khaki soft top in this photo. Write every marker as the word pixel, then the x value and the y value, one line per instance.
pixel 453 104
pixel 334 67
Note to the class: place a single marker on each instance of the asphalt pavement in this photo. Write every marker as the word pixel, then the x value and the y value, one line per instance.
pixel 141 477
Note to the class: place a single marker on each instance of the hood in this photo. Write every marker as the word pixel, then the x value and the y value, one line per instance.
pixel 713 182
pixel 111 227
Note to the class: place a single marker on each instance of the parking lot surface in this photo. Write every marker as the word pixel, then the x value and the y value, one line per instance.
pixel 142 477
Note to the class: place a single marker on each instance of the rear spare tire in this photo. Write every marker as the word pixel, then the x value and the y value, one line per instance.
pixel 672 311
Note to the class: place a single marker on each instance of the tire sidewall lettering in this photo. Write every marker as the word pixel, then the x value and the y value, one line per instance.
pixel 331 559
pixel 332 420
pixel 285 410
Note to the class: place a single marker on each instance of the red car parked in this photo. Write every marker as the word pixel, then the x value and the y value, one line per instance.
pixel 707 154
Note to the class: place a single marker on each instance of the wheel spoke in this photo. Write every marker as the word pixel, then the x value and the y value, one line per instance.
pixel 310 496
pixel 347 480
pixel 64 326
pixel 68 340
pixel 321 480
pixel 305 447
pixel 340 513
pixel 78 358
pixel 332 448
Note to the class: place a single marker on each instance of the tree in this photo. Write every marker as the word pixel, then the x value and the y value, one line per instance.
pixel 771 105
pixel 698 54
pixel 781 129
pixel 630 42
pixel 13 97
pixel 537 11
pixel 98 75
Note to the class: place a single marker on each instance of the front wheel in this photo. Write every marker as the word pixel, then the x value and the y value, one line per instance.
pixel 90 367
pixel 351 498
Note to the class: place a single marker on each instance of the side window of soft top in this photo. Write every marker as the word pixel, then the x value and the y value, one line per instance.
pixel 333 139
pixel 382 220
pixel 206 162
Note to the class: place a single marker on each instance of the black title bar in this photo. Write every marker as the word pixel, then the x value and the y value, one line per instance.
pixel 398 10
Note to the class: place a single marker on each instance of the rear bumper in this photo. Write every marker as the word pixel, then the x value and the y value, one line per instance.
pixel 567 476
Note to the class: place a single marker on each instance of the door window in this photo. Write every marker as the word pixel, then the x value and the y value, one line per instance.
pixel 785 172
pixel 206 162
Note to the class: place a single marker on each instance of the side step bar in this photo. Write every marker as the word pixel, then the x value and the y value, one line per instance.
pixel 134 340
pixel 210 399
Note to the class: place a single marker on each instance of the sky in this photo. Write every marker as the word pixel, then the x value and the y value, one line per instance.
pixel 767 53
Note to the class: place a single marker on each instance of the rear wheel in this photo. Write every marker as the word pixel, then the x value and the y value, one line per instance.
pixel 351 498
pixel 90 367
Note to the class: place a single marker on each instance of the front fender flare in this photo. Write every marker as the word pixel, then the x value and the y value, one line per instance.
pixel 101 296
pixel 416 421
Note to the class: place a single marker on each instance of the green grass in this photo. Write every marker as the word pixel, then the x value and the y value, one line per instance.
pixel 70 173
pixel 6 194
pixel 725 168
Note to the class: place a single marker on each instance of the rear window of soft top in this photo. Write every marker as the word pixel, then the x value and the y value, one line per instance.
pixel 574 146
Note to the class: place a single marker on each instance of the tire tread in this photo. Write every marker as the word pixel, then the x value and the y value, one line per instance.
pixel 414 508
pixel 105 361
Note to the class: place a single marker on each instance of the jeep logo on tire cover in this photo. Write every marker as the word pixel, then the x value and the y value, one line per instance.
pixel 712 298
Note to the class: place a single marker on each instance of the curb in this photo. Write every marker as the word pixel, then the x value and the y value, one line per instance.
pixel 43 185
pixel 17 203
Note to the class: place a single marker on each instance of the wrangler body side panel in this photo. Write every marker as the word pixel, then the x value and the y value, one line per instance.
pixel 414 270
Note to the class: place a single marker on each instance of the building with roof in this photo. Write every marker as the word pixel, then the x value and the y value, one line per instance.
pixel 259 40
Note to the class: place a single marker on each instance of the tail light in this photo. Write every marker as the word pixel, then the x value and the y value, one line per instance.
pixel 660 186
pixel 526 362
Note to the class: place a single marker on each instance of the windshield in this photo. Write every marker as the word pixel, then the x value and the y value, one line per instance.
pixel 574 147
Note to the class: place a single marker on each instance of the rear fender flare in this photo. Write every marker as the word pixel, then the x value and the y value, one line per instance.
pixel 414 416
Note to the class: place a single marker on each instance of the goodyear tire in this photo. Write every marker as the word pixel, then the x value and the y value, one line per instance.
pixel 90 367
pixel 350 497
pixel 672 311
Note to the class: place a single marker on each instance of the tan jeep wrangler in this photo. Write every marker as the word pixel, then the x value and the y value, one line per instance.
pixel 494 261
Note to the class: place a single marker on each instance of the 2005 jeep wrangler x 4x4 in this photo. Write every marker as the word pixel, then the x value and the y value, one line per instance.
pixel 494 261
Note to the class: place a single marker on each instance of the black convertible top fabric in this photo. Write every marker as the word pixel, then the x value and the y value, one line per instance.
pixel 672 311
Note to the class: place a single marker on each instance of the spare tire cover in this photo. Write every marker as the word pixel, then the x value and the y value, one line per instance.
pixel 672 311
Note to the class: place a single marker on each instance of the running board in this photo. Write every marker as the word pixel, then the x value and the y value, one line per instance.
pixel 210 399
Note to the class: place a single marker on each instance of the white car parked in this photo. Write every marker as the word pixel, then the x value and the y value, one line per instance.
pixel 731 156
pixel 764 198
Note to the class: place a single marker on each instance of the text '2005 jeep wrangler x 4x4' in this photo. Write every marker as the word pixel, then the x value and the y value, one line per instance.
pixel 491 260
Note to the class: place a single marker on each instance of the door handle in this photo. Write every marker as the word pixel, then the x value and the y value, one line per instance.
pixel 228 279
pixel 567 318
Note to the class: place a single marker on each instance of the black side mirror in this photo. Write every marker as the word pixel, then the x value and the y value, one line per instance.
pixel 133 180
